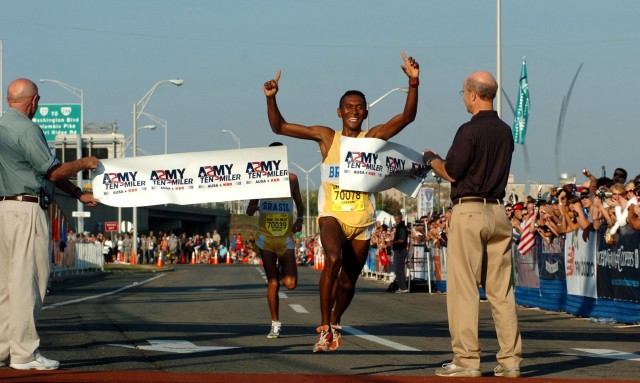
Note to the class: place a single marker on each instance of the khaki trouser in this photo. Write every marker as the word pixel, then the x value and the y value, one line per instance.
pixel 24 273
pixel 479 252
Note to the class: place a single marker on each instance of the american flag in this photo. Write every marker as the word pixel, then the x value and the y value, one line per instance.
pixel 527 239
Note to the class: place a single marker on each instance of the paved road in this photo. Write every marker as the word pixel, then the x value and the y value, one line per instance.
pixel 207 319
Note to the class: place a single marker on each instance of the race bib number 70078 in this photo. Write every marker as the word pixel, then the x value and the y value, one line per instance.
pixel 346 200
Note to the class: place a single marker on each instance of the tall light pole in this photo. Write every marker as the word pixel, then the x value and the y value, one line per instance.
pixel 237 140
pixel 371 104
pixel 162 123
pixel 306 172
pixel 78 93
pixel 129 139
pixel 138 109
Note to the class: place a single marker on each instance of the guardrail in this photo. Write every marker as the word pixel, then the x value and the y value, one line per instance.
pixel 76 258
pixel 579 274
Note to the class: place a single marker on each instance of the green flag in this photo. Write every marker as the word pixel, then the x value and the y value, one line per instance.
pixel 522 108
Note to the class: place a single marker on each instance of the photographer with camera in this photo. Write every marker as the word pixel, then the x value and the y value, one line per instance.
pixel 603 212
pixel 571 212
pixel 543 224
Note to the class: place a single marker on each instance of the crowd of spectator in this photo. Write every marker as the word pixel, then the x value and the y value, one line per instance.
pixel 608 203
pixel 603 203
pixel 197 248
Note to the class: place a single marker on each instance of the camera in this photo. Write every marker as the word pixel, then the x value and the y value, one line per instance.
pixel 603 193
pixel 443 235
pixel 44 199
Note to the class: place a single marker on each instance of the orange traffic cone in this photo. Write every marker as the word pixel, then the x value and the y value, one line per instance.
pixel 133 258
pixel 215 259
pixel 193 258
pixel 182 257
pixel 160 262
pixel 228 262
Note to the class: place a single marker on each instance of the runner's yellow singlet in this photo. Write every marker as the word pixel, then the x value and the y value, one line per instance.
pixel 352 208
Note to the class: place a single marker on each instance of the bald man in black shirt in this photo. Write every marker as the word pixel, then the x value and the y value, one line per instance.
pixel 479 247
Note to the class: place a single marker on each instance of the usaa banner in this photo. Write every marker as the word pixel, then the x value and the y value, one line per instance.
pixel 189 178
pixel 374 165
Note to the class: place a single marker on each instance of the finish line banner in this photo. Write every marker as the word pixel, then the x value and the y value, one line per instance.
pixel 189 178
pixel 375 165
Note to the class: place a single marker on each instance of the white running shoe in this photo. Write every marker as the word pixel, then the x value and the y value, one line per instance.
pixel 276 328
pixel 39 363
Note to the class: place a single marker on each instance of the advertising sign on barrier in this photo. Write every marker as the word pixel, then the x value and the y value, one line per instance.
pixel 580 265
pixel 619 267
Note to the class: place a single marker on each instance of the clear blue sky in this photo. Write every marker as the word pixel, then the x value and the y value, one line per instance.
pixel 225 50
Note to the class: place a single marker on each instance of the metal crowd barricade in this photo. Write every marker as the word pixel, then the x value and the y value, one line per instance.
pixel 419 266
pixel 76 258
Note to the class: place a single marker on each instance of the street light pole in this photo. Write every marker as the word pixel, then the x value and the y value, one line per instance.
pixel 138 108
pixel 162 123
pixel 306 172
pixel 237 140
pixel 78 93
pixel 371 104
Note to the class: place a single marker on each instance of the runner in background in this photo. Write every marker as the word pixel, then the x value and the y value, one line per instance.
pixel 277 223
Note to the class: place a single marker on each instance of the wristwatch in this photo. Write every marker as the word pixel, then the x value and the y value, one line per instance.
pixel 430 160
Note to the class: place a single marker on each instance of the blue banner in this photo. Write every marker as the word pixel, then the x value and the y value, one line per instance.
pixel 522 108
pixel 618 267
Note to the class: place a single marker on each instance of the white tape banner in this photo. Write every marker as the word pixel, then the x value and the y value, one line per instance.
pixel 374 165
pixel 189 178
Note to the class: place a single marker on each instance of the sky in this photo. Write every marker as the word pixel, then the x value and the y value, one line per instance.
pixel 116 50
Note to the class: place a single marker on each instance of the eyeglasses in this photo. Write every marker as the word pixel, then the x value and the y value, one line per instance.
pixel 630 191
pixel 464 90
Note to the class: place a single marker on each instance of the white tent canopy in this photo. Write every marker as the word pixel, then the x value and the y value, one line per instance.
pixel 384 218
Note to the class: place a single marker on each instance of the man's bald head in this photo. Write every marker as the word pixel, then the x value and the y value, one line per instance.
pixel 483 83
pixel 22 94
pixel 20 90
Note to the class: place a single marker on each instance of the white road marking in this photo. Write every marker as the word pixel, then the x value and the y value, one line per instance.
pixel 375 339
pixel 607 354
pixel 299 309
pixel 282 295
pixel 173 346
pixel 104 294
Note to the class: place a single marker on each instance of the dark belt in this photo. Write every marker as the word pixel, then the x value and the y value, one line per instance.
pixel 21 198
pixel 486 201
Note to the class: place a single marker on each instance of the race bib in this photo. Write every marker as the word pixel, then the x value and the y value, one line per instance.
pixel 346 200
pixel 277 224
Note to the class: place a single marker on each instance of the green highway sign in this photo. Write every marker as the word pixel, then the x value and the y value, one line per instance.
pixel 56 119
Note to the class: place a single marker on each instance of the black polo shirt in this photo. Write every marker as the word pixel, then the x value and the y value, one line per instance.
pixel 402 234
pixel 480 157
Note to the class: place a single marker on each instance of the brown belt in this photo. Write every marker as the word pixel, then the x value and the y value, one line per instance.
pixel 476 200
pixel 21 198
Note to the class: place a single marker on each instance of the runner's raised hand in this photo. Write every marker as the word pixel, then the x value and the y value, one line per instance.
pixel 271 86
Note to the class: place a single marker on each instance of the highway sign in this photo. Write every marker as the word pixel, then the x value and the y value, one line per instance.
pixel 56 119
